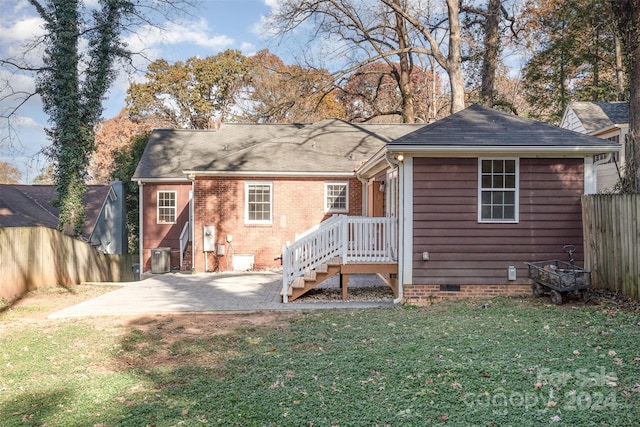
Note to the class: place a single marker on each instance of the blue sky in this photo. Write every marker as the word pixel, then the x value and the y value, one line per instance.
pixel 216 26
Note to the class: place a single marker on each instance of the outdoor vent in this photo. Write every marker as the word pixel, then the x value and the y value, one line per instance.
pixel 450 288
pixel 160 260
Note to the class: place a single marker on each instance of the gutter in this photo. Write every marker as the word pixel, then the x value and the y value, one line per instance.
pixel 445 150
pixel 268 173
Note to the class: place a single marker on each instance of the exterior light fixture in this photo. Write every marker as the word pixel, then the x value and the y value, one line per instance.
pixel 399 157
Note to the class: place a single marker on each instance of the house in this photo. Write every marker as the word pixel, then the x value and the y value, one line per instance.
pixel 242 191
pixel 450 208
pixel 32 206
pixel 607 120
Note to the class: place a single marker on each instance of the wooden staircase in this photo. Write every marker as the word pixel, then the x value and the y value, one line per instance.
pixel 313 278
pixel 340 245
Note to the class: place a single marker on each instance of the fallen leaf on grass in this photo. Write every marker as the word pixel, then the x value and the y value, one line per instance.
pixel 444 418
pixel 618 361
pixel 456 385
pixel 551 404
pixel 612 353
pixel 555 418
pixel 537 386
pixel 185 412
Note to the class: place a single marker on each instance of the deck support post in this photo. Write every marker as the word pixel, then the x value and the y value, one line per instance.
pixel 344 284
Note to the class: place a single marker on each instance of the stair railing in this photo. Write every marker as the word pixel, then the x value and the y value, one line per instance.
pixel 354 239
pixel 184 241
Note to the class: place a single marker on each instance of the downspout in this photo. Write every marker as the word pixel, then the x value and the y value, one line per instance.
pixel 192 214
pixel 141 224
pixel 395 164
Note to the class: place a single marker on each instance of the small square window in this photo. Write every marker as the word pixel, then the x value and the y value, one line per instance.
pixel 498 190
pixel 336 197
pixel 167 207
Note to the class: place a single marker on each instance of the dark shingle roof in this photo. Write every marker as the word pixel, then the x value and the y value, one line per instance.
pixel 31 205
pixel 478 126
pixel 332 146
pixel 170 151
pixel 600 115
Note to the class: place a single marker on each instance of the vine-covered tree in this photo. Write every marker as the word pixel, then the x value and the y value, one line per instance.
pixel 82 44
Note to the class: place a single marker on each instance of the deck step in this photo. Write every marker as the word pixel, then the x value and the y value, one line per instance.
pixel 310 276
pixel 335 261
pixel 323 268
pixel 297 283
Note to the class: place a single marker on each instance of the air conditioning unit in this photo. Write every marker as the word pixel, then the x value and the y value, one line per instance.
pixel 160 260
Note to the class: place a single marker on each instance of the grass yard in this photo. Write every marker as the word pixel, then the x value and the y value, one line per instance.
pixel 500 362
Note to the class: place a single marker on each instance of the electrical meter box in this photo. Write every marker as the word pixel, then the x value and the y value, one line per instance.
pixel 209 243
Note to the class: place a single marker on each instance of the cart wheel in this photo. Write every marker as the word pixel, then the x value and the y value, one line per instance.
pixel 537 290
pixel 586 296
pixel 556 297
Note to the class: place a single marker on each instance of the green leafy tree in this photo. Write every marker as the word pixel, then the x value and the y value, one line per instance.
pixel 189 94
pixel 125 161
pixel 574 56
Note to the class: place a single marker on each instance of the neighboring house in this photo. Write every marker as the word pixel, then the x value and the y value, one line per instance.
pixel 456 207
pixel 607 120
pixel 32 205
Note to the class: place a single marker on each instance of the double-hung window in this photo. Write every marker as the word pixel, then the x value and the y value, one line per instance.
pixel 167 207
pixel 336 196
pixel 498 190
pixel 258 202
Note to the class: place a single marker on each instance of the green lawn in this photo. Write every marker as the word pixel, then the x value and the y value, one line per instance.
pixel 485 363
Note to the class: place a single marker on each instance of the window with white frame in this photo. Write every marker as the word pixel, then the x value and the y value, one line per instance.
pixel 498 190
pixel 336 196
pixel 258 202
pixel 167 207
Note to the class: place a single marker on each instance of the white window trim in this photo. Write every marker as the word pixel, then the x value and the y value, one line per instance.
pixel 516 191
pixel 248 184
pixel 175 207
pixel 326 196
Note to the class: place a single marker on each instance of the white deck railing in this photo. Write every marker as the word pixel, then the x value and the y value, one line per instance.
pixel 353 239
pixel 185 238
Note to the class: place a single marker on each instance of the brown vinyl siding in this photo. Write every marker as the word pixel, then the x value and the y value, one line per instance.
pixel 463 251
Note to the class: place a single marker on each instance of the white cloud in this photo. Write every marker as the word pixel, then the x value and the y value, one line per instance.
pixel 196 33
pixel 22 30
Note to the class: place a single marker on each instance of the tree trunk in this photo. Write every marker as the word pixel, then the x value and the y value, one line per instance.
pixel 404 83
pixel 620 83
pixel 491 48
pixel 627 16
pixel 454 60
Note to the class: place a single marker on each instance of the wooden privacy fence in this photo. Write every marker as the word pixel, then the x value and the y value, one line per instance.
pixel 37 257
pixel 612 241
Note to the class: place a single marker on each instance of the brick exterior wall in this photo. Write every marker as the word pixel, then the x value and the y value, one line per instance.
pixel 427 294
pixel 297 205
